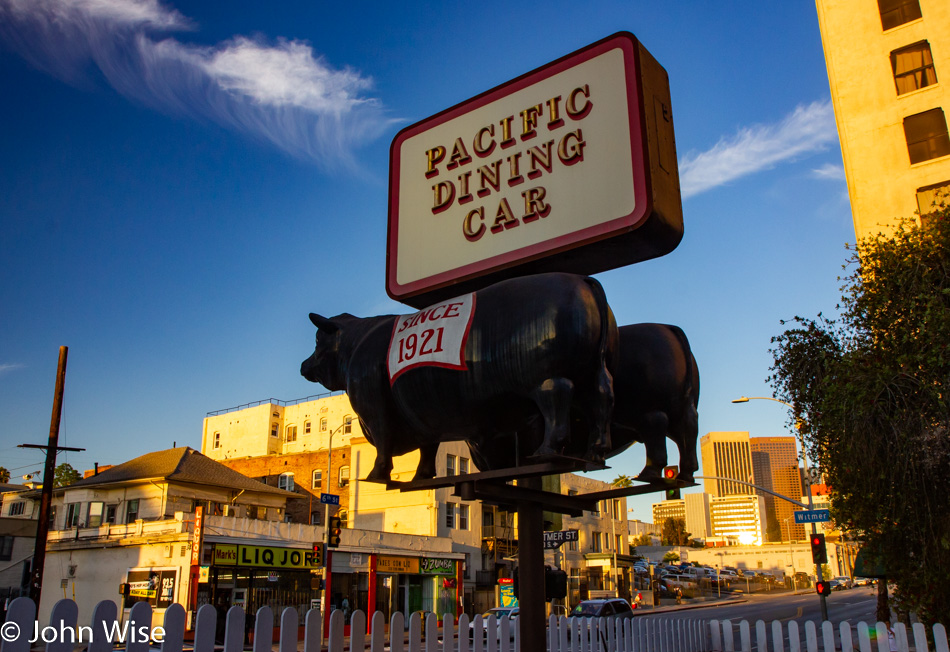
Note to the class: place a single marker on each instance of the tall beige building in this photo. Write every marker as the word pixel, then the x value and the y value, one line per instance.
pixel 726 455
pixel 884 62
pixel 775 466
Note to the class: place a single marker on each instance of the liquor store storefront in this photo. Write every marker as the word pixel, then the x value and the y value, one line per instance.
pixel 394 582
pixel 255 576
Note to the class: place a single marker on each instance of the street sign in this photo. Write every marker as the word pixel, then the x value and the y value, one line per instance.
pixel 329 499
pixel 553 540
pixel 812 516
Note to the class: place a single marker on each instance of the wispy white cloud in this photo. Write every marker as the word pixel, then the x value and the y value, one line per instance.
pixel 280 92
pixel 829 171
pixel 8 367
pixel 806 130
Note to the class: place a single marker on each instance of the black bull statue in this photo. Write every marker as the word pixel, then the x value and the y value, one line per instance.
pixel 540 363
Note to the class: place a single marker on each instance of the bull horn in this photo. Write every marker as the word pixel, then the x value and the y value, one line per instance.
pixel 324 324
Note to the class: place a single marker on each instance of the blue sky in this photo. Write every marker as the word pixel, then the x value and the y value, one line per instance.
pixel 181 183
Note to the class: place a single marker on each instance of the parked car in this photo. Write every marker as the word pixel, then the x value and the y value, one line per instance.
pixel 612 608
pixel 846 581
pixel 729 576
pixel 863 581
pixel 836 585
pixel 498 613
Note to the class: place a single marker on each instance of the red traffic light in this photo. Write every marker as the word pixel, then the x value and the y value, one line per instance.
pixel 670 472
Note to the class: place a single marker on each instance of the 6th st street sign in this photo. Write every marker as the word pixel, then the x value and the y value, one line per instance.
pixel 812 516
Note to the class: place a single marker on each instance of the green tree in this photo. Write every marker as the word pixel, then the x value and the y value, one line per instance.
pixel 870 391
pixel 674 532
pixel 4 474
pixel 643 540
pixel 671 557
pixel 622 481
pixel 65 475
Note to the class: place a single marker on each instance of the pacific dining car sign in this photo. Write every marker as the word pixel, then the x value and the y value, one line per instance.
pixel 571 167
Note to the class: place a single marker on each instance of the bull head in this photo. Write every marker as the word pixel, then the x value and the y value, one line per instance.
pixel 328 326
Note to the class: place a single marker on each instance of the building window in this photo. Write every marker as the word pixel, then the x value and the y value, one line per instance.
pixel 132 511
pixel 450 465
pixel 926 135
pixel 6 548
pixel 913 67
pixel 347 425
pixel 572 546
pixel 317 479
pixel 291 433
pixel 323 424
pixel 344 517
pixel 217 440
pixel 306 427
pixel 450 515
pixel 94 515
pixel 344 476
pixel 72 515
pixel 52 517
pixel 595 542
pixel 932 198
pixel 316 517
pixel 618 544
pixel 285 481
pixel 17 508
pixel 110 514
pixel 463 517
pixel 274 430
pixel 463 465
pixel 898 12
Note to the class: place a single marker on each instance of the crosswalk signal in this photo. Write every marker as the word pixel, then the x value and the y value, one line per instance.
pixel 818 551
pixel 823 588
pixel 335 532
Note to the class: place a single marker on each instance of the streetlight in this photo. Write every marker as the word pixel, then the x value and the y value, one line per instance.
pixel 811 505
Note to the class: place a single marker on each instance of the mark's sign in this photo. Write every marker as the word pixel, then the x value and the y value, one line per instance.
pixel 577 156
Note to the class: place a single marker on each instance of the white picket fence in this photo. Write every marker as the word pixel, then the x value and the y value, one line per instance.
pixel 654 634
pixel 774 638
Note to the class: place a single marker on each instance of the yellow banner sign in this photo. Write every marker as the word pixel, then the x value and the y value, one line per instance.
pixel 397 564
pixel 265 557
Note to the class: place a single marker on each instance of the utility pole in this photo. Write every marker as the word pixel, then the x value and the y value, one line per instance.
pixel 49 472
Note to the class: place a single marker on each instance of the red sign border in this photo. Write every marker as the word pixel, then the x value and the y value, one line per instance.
pixel 628 44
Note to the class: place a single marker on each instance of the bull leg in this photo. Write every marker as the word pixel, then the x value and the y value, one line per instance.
pixel 553 399
pixel 383 467
pixel 427 457
pixel 603 408
pixel 684 434
pixel 653 432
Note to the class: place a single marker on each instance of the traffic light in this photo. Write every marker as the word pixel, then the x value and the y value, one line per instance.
pixel 670 473
pixel 818 552
pixel 823 587
pixel 555 584
pixel 318 554
pixel 335 530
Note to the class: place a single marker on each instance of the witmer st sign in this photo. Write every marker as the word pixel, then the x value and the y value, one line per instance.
pixel 571 167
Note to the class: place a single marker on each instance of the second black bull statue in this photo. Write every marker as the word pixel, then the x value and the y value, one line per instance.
pixel 532 378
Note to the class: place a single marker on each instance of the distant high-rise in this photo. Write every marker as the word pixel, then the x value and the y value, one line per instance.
pixel 775 466
pixel 884 62
pixel 726 455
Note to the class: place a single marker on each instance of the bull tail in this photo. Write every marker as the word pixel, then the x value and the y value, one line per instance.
pixel 692 378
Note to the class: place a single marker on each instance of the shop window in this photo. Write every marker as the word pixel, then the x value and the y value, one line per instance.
pixel 463 465
pixel 323 424
pixel 450 465
pixel 217 440
pixel 6 548
pixel 343 478
pixel 94 515
pixel 274 430
pixel 317 480
pixel 463 517
pixel 132 511
pixel 17 508
pixel 72 515
pixel 450 515
pixel 291 434
pixel 347 425
pixel 306 427
pixel 913 67
pixel 926 135
pixel 285 481
pixel 898 12
pixel 932 198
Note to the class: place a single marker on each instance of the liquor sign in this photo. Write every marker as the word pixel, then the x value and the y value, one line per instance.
pixel 265 556
pixel 198 539
pixel 571 167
